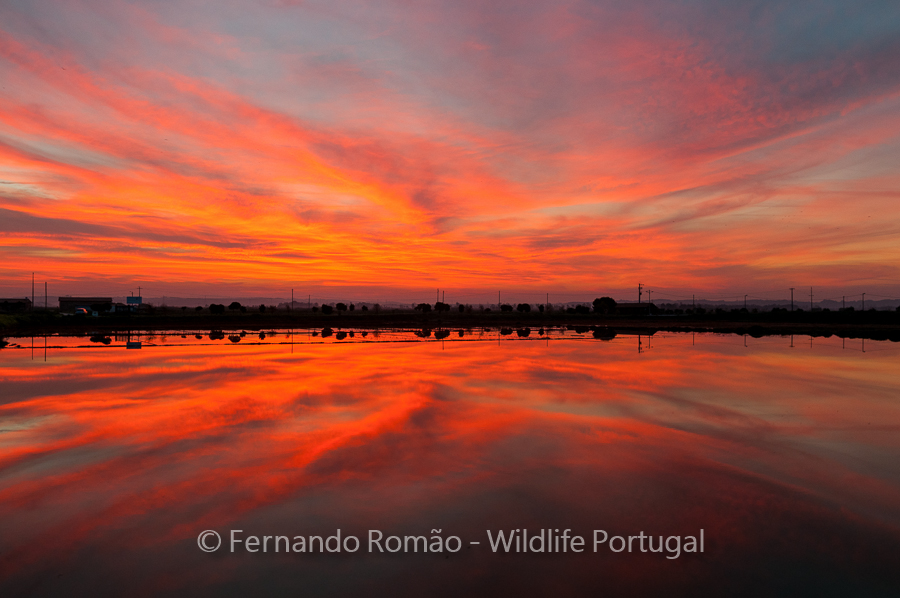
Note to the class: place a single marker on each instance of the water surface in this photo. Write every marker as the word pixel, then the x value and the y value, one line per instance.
pixel 783 451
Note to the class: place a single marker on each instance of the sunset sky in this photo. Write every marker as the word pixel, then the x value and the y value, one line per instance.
pixel 386 149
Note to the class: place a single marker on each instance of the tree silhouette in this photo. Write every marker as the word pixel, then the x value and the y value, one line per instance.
pixel 506 307
pixel 541 308
pixel 340 307
pixel 327 309
pixel 352 307
pixel 604 305
pixel 234 306
pixel 262 308
pixel 217 308
pixel 523 308
pixel 423 307
pixel 198 308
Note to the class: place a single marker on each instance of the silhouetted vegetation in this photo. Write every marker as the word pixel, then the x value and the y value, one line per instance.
pixel 99 338
pixel 340 307
pixel 262 308
pixel 216 335
pixel 605 305
pixel 199 308
pixel 506 331
pixel 235 338
pixel 216 308
pixel 441 334
pixel 523 308
pixel 234 306
pixel 326 332
pixel 424 333
pixel 341 335
pixel 523 332
pixel 506 307
pixel 423 307
pixel 441 307
pixel 327 310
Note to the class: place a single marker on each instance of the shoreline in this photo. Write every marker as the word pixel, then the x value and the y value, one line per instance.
pixel 883 325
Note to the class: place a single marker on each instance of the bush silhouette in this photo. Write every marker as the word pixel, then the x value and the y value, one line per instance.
pixel 234 306
pixel 327 309
pixel 506 307
pixel 217 308
pixel 423 307
pixel 262 308
pixel 340 307
pixel 198 308
pixel 523 308
pixel 326 332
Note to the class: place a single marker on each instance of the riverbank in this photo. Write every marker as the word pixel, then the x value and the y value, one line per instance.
pixel 875 325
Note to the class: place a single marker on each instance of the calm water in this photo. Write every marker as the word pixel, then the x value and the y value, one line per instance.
pixel 112 461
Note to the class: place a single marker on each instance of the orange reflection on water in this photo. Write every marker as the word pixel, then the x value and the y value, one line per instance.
pixel 113 461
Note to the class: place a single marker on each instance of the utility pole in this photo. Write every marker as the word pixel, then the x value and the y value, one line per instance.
pixel 640 291
pixel 443 296
pixel 792 298
pixel 745 301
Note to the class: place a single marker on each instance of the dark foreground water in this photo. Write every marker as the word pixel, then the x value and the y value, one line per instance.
pixel 113 461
